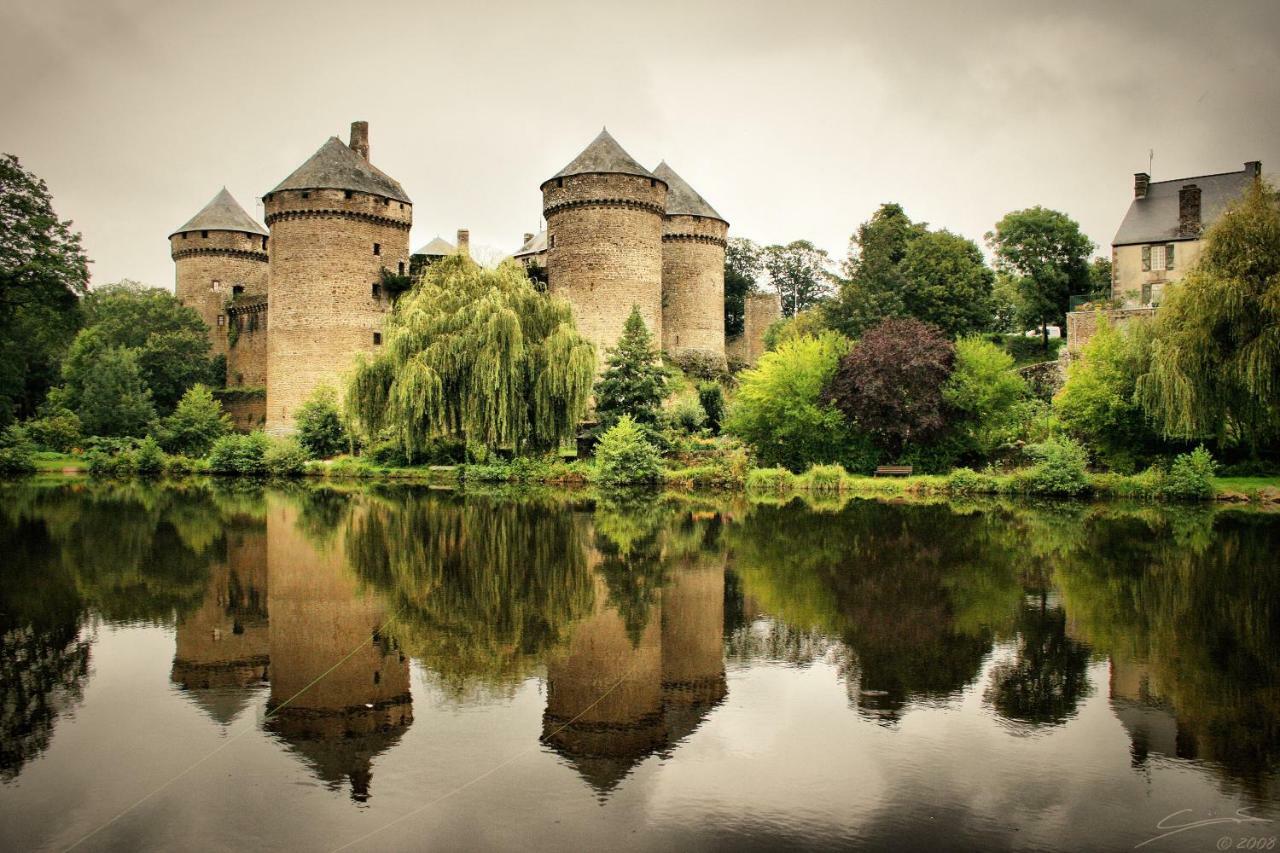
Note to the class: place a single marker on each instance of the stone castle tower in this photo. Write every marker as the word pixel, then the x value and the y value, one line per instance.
pixel 336 223
pixel 604 214
pixel 694 238
pixel 219 255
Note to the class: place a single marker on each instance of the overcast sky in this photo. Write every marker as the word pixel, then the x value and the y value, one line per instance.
pixel 794 119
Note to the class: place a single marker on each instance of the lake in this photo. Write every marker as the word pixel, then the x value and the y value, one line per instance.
pixel 221 666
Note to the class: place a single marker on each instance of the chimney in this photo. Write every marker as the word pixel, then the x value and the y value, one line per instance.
pixel 360 138
pixel 1141 180
pixel 1253 168
pixel 1189 211
pixel 527 238
pixel 464 242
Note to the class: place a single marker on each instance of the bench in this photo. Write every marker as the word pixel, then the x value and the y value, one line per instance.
pixel 893 471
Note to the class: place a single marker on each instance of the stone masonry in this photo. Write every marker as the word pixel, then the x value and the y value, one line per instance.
pixel 211 267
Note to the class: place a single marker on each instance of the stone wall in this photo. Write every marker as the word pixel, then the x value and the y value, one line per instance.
pixel 693 288
pixel 247 343
pixel 247 408
pixel 761 311
pixel 604 251
pixel 1081 325
pixel 208 269
pixel 323 309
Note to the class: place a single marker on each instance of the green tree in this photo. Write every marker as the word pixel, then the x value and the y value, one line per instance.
pixel 1099 279
pixel 984 391
pixel 635 381
pixel 801 273
pixel 743 264
pixel 479 356
pixel 320 429
pixel 1049 257
pixel 778 408
pixel 113 398
pixel 1215 362
pixel 43 274
pixel 625 456
pixel 196 423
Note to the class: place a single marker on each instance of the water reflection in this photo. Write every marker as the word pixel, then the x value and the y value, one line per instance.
pixel 633 615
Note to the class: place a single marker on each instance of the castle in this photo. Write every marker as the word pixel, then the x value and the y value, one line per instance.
pixel 292 305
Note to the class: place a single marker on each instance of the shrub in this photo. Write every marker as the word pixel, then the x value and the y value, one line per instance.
pixel 148 459
pixel 825 478
pixel 1190 476
pixel 110 457
pixel 688 416
pixel 966 481
pixel 1059 469
pixel 625 456
pixel 16 452
pixel 348 466
pixel 778 480
pixel 711 396
pixel 196 423
pixel 320 429
pixel 635 382
pixel 58 429
pixel 241 455
pixel 984 390
pixel 180 466
pixel 285 458
pixel 388 454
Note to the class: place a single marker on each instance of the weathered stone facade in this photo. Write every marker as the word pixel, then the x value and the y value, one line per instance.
pixel 1081 325
pixel 212 267
pixel 604 250
pixel 693 288
pixel 246 338
pixel 247 408
pixel 761 311
pixel 328 250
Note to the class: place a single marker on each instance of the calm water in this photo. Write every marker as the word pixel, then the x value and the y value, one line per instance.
pixel 222 668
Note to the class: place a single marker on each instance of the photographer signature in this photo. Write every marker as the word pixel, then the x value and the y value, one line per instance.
pixel 1241 816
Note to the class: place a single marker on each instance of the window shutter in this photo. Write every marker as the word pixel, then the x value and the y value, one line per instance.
pixel 1146 258
pixel 1168 257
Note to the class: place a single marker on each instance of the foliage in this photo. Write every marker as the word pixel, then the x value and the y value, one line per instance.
pixel 285 458
pixel 898 268
pixel 1059 468
pixel 626 457
pixel 966 481
pixel 635 381
pixel 1215 361
pixel 774 480
pixel 890 384
pixel 1048 255
pixel 57 428
pixel 195 424
pixel 711 396
pixel 1099 279
pixel 688 416
pixel 1028 350
pixel 824 478
pixel 479 356
pixel 1098 403
pixel 16 452
pixel 743 264
pixel 238 454
pixel 43 274
pixel 112 396
pixel 1190 476
pixel 778 409
pixel 801 273
pixel 812 322
pixel 983 391
pixel 319 424
pixel 148 458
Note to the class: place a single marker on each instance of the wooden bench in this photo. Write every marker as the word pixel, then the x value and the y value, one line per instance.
pixel 893 471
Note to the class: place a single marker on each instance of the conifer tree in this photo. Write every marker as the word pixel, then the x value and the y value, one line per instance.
pixel 635 383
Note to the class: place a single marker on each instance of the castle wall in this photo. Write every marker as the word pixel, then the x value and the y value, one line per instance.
pixel 207 270
pixel 762 310
pixel 322 311
pixel 693 288
pixel 604 251
pixel 1083 325
pixel 693 632
pixel 247 346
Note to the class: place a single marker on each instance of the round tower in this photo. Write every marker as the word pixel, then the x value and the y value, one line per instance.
pixel 604 240
pixel 694 238
pixel 336 224
pixel 219 254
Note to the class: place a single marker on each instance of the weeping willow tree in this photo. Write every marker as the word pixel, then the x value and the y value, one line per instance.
pixel 479 356
pixel 1215 366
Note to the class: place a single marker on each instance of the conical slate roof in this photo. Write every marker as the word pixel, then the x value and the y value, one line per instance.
pixel 223 213
pixel 603 155
pixel 681 198
pixel 437 247
pixel 337 167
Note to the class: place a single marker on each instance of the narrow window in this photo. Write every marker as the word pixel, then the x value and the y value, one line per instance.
pixel 222 320
pixel 402 205
pixel 1146 258
pixel 306 195
pixel 347 194
pixel 559 182
pixel 376 291
pixel 1168 256
pixel 386 202
pixel 264 243
pixel 402 268
pixel 377 339
pixel 377 248
pixel 551 242
pixel 204 233
pixel 653 182
pixel 184 235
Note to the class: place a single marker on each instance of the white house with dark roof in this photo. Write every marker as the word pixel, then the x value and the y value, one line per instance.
pixel 1160 237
